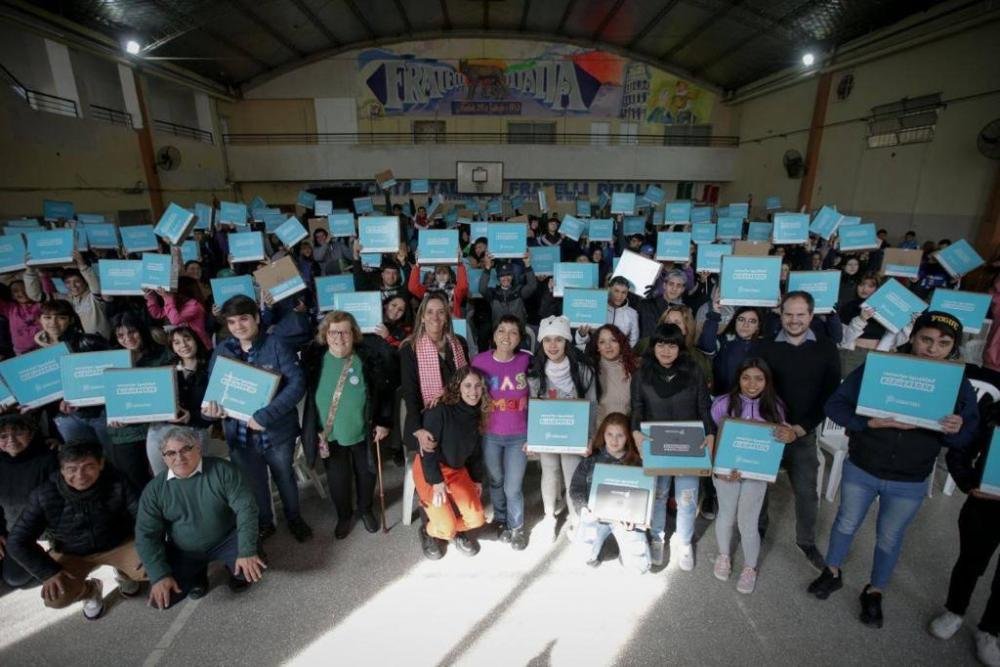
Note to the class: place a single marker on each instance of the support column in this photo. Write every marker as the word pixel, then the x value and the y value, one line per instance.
pixel 808 183
pixel 145 136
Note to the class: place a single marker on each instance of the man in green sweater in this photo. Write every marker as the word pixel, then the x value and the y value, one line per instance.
pixel 197 511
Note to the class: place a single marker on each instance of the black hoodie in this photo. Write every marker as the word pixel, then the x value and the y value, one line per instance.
pixel 18 478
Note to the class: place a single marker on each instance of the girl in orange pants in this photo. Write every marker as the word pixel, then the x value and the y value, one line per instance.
pixel 449 477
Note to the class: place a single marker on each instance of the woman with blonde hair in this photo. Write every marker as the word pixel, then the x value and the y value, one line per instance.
pixel 429 358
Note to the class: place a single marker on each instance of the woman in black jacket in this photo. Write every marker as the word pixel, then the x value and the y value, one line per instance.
pixel 979 536
pixel 25 463
pixel 188 355
pixel 336 425
pixel 671 388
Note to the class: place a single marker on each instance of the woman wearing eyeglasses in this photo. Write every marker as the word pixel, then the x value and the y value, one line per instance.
pixel 345 395
pixel 728 349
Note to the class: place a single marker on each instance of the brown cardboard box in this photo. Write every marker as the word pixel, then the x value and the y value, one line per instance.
pixel 901 257
pixel 751 248
pixel 276 274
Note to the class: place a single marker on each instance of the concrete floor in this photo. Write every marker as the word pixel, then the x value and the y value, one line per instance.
pixel 373 599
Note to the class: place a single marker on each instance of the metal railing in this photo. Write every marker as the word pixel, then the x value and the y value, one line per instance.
pixel 186 131
pixel 38 100
pixel 109 115
pixel 398 138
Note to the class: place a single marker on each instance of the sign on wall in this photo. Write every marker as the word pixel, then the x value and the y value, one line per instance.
pixel 519 78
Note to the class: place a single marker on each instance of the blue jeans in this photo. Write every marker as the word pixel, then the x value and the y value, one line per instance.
pixel 74 428
pixel 591 534
pixel 686 495
pixel 898 503
pixel 255 465
pixel 505 464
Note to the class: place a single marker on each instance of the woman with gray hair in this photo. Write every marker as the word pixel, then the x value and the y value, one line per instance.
pixel 347 410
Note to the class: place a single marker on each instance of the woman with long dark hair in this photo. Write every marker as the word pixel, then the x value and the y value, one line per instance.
pixel 188 355
pixel 183 307
pixel 449 478
pixel 609 352
pixel 669 388
pixel 613 444
pixel 752 398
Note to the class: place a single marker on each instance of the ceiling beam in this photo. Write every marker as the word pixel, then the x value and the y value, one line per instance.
pixel 402 14
pixel 565 17
pixel 444 15
pixel 607 19
pixel 653 22
pixel 254 18
pixel 361 18
pixel 524 15
pixel 180 17
pixel 751 16
pixel 699 30
pixel 316 22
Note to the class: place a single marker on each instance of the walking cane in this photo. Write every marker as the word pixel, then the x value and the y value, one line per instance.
pixel 381 489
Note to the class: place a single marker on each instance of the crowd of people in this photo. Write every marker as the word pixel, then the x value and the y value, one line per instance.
pixel 146 500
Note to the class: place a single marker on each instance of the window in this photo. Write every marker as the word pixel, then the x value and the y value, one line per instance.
pixel 684 190
pixel 908 121
pixel 428 131
pixel 629 133
pixel 687 135
pixel 531 133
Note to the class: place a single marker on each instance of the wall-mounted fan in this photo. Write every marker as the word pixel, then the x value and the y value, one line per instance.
pixel 168 158
pixel 794 164
pixel 988 141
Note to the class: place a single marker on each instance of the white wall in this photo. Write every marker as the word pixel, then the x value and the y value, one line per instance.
pixel 940 188
pixel 521 162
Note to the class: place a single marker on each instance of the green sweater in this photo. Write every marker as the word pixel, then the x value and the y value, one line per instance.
pixel 197 512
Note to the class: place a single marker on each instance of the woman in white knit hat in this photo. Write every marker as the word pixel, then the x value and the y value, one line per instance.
pixel 559 370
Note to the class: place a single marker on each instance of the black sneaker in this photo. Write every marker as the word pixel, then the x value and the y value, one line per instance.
pixel 343 528
pixel 500 529
pixel 199 589
pixel 656 548
pixel 265 532
pixel 238 584
pixel 300 530
pixel 871 608
pixel 814 556
pixel 371 523
pixel 518 539
pixel 430 546
pixel 826 583
pixel 709 508
pixel 466 545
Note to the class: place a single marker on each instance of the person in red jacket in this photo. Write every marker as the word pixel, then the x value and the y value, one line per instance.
pixel 454 284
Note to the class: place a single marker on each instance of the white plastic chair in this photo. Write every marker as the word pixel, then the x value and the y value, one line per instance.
pixel 833 438
pixel 409 486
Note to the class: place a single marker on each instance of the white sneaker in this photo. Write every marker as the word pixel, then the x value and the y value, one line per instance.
pixel 945 626
pixel 93 605
pixel 723 567
pixel 685 557
pixel 987 649
pixel 747 581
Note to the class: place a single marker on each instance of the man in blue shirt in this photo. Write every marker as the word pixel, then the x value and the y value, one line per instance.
pixel 267 441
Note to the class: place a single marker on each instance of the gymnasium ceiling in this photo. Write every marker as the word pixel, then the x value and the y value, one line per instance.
pixel 726 43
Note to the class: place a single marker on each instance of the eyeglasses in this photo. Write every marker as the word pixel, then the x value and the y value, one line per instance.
pixel 171 454
pixel 746 320
pixel 338 334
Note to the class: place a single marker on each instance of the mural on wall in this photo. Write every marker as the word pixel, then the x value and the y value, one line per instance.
pixel 525 79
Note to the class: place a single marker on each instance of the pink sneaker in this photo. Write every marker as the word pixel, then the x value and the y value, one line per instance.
pixel 748 580
pixel 723 567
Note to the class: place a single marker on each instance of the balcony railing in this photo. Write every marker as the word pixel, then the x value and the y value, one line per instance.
pixel 109 115
pixel 38 100
pixel 186 131
pixel 402 138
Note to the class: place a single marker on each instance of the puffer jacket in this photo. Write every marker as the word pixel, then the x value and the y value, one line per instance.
pixel 77 522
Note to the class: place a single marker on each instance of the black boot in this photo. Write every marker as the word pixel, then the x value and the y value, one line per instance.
pixel 431 546
pixel 871 607
pixel 826 583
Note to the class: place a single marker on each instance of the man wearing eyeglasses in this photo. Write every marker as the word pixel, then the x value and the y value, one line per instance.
pixel 197 511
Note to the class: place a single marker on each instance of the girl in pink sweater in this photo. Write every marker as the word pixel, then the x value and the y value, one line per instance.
pixel 181 307
pixel 23 317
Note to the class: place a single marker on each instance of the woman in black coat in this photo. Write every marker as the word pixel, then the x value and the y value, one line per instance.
pixel 345 444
